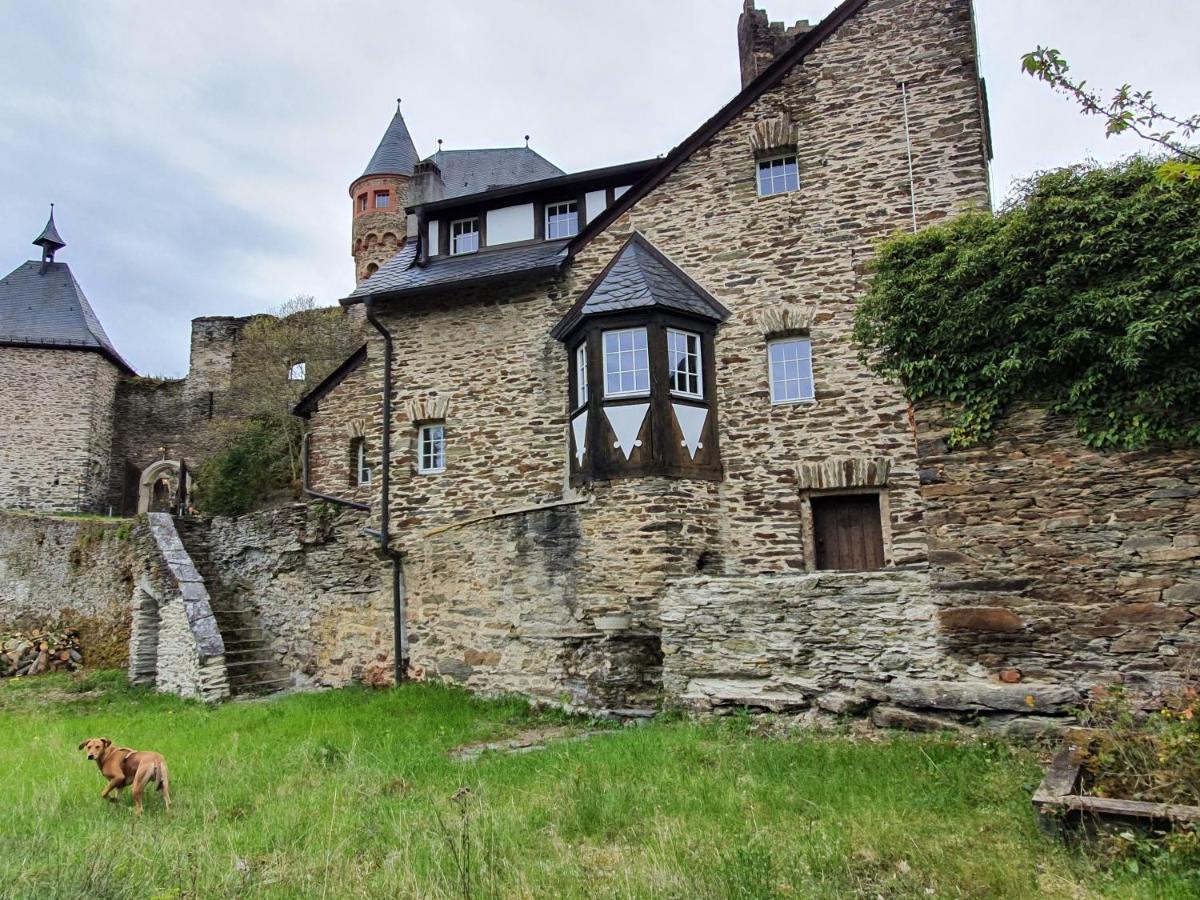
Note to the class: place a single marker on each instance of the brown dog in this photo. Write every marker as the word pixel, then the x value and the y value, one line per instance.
pixel 123 767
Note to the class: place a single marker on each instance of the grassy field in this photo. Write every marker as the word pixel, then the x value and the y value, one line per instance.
pixel 353 794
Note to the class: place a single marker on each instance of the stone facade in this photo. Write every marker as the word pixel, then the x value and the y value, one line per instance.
pixel 333 437
pixel 55 441
pixel 376 234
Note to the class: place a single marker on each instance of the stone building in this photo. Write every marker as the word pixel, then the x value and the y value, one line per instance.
pixel 59 375
pixel 599 387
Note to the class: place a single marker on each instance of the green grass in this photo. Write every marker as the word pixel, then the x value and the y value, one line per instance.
pixel 349 794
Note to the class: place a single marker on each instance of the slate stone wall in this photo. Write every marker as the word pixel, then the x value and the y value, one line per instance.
pixel 1059 561
pixel 77 572
pixel 314 581
pixel 343 414
pixel 56 430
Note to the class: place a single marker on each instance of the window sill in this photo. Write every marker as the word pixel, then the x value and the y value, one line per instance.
pixel 810 402
pixel 431 471
pixel 699 398
pixel 638 395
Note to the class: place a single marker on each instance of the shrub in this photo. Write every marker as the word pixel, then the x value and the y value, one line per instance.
pixel 253 466
pixel 1083 294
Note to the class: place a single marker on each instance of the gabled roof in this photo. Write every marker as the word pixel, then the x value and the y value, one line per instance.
pixel 471 171
pixel 308 403
pixel 42 305
pixel 637 277
pixel 400 277
pixel 767 79
pixel 396 154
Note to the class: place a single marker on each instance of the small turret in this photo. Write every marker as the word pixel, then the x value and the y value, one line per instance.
pixel 380 195
pixel 761 40
pixel 49 241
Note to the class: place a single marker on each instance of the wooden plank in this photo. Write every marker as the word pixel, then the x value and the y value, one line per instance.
pixel 1062 776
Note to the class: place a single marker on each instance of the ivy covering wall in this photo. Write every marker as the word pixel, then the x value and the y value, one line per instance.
pixel 1083 293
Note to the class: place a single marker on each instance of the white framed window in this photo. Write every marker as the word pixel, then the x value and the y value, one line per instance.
pixel 464 236
pixel 297 371
pixel 581 383
pixel 683 363
pixel 790 367
pixel 778 175
pixel 382 200
pixel 362 471
pixel 431 449
pixel 562 220
pixel 626 363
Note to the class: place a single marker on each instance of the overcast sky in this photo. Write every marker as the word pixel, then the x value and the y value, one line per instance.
pixel 200 153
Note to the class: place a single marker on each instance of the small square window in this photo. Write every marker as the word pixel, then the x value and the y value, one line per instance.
pixel 431 449
pixel 790 365
pixel 362 202
pixel 562 220
pixel 296 371
pixel 382 200
pixel 626 363
pixel 464 236
pixel 581 378
pixel 778 176
pixel 683 362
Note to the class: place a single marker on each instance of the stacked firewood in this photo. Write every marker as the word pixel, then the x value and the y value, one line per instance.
pixel 38 651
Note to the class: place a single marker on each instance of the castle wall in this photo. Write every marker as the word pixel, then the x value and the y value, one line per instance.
pixel 55 440
pixel 72 571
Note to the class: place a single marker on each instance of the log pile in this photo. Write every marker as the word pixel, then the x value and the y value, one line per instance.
pixel 38 651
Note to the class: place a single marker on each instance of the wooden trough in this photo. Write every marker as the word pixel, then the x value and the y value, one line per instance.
pixel 1062 807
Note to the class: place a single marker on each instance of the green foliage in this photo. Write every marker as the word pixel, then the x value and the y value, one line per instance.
pixel 254 465
pixel 1084 294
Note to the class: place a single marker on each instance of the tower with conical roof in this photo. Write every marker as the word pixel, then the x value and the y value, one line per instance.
pixel 379 196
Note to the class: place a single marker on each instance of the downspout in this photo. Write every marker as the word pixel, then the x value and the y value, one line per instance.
pixel 399 625
pixel 328 498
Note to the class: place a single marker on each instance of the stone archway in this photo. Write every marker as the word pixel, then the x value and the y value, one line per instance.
pixel 158 487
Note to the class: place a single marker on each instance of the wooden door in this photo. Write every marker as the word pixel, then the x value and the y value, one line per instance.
pixel 848 532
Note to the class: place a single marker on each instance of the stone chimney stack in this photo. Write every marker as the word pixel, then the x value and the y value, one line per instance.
pixel 760 40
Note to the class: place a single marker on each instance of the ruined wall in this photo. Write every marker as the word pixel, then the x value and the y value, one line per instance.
pixel 315 582
pixel 55 441
pixel 74 571
pixel 1059 561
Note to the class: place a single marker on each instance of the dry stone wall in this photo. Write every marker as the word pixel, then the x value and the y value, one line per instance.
pixel 1059 561
pixel 314 581
pixel 55 441
pixel 76 572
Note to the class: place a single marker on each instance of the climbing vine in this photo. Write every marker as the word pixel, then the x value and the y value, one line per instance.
pixel 1083 294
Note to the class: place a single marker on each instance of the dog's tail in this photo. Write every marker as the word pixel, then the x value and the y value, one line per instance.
pixel 164 785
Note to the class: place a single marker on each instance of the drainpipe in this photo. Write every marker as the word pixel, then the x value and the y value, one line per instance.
pixel 328 498
pixel 399 625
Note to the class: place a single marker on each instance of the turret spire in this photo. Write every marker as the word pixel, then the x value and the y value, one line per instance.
pixel 396 154
pixel 49 240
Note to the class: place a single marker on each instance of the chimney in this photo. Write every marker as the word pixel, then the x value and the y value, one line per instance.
pixel 760 41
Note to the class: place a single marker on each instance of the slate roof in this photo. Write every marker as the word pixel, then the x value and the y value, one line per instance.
pixel 471 171
pixel 399 275
pixel 396 154
pixel 640 276
pixel 49 238
pixel 48 309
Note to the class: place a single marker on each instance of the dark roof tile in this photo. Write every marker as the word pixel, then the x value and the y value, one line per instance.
pixel 396 154
pixel 471 171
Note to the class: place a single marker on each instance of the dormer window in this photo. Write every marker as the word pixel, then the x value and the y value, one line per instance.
pixel 464 236
pixel 382 200
pixel 562 220
pixel 778 175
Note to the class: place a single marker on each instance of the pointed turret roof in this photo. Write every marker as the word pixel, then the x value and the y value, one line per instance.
pixel 396 154
pixel 49 238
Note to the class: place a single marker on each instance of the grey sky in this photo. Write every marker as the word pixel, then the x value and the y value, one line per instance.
pixel 200 153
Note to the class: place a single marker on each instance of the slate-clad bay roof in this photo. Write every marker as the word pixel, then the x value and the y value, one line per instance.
pixel 396 154
pixel 399 275
pixel 471 171
pixel 637 277
pixel 45 307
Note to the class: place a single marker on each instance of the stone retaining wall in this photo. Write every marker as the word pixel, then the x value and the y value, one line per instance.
pixel 78 572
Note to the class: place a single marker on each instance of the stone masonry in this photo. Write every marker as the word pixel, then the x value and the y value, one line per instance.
pixel 55 442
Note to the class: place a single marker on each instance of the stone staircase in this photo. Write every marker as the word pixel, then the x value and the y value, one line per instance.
pixel 252 666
